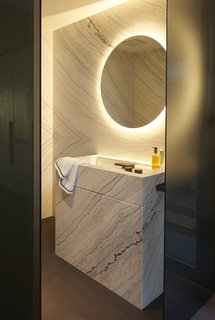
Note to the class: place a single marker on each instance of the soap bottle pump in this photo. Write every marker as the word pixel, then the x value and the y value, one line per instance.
pixel 155 159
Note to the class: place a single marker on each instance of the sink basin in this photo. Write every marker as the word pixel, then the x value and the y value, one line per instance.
pixel 108 163
pixel 104 177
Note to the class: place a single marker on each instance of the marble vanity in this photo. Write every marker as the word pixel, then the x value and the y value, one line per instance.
pixel 112 229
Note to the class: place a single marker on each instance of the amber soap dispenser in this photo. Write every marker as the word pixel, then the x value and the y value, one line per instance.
pixel 155 159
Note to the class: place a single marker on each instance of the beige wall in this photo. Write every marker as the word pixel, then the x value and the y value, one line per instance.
pixel 47 121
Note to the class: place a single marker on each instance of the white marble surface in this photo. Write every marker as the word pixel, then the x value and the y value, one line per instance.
pixel 55 19
pixel 81 125
pixel 132 188
pixel 116 242
pixel 105 233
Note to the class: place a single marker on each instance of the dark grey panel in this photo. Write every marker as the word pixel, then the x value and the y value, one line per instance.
pixel 18 130
pixel 190 206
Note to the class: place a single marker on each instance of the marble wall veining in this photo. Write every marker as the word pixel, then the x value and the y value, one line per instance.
pixel 54 16
pixel 81 124
pixel 114 236
pixel 89 129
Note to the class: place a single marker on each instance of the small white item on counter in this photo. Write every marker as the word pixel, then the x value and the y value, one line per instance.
pixel 67 169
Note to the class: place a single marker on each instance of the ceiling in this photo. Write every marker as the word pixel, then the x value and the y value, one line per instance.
pixel 52 7
pixel 59 13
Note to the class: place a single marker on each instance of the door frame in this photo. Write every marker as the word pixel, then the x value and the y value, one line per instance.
pixel 37 161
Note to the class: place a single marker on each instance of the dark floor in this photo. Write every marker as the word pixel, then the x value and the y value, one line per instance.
pixel 207 312
pixel 68 294
pixel 183 298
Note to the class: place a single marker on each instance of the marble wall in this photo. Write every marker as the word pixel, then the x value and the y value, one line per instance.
pixel 81 124
pixel 56 15
pixel 88 127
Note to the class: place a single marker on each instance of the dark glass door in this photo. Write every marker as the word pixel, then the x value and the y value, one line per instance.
pixel 19 159
pixel 190 206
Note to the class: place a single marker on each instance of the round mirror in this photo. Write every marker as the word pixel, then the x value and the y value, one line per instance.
pixel 133 81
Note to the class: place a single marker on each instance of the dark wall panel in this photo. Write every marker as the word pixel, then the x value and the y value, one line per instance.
pixel 190 206
pixel 18 87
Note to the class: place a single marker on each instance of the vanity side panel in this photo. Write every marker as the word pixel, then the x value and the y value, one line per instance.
pixel 152 250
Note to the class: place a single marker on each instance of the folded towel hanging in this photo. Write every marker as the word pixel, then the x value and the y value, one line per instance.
pixel 67 169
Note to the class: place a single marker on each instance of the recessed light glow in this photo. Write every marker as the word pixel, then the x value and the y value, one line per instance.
pixel 145 163
pixel 61 19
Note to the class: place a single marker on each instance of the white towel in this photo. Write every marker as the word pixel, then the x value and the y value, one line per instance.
pixel 67 168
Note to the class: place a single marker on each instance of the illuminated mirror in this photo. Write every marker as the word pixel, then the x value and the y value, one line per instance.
pixel 133 81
